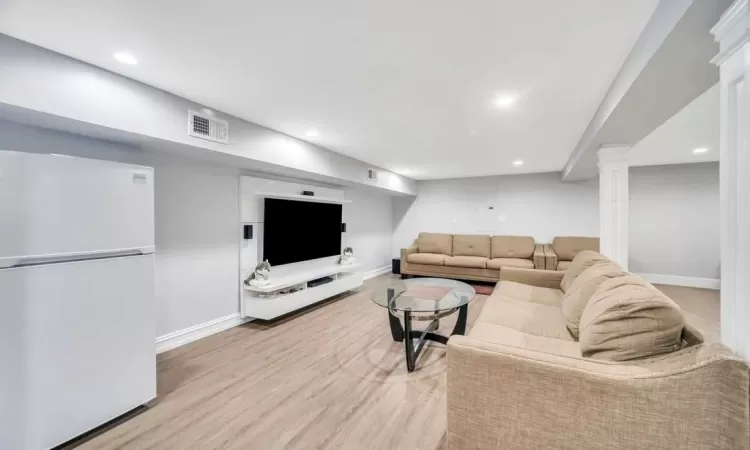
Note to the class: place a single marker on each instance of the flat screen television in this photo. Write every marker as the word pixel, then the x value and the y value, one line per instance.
pixel 295 231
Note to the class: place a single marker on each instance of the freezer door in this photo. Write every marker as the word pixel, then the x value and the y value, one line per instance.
pixel 82 350
pixel 59 205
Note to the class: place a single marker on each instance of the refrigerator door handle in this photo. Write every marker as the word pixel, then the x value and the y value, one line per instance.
pixel 27 261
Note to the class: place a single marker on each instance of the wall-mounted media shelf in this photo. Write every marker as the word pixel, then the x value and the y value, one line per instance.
pixel 299 289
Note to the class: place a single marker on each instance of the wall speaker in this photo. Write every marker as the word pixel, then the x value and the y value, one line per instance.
pixel 343 228
pixel 247 232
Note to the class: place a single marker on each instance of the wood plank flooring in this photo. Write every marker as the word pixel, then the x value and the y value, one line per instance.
pixel 330 377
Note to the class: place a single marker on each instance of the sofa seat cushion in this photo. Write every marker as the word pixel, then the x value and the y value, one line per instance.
pixel 581 262
pixel 468 273
pixel 627 318
pixel 563 265
pixel 513 246
pixel 528 293
pixel 477 262
pixel 426 258
pixel 498 334
pixel 527 317
pixel 497 263
pixel 575 299
pixel 435 243
pixel 471 245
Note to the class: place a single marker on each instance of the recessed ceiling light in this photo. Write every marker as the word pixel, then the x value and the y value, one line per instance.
pixel 312 133
pixel 700 150
pixel 505 100
pixel 518 162
pixel 125 58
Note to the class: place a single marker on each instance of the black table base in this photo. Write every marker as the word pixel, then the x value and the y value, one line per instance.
pixel 408 335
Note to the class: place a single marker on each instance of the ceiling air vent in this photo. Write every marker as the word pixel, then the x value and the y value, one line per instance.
pixel 372 175
pixel 207 127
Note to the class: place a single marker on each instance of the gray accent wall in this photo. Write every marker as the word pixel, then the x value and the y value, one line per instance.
pixel 674 220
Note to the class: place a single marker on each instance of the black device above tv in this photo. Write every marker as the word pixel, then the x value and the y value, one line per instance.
pixel 295 231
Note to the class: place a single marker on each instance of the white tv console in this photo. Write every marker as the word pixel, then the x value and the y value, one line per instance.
pixel 293 291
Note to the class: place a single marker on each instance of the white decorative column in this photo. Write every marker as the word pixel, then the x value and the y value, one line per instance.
pixel 613 203
pixel 733 34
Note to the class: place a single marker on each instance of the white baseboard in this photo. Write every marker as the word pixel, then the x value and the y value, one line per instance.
pixel 187 335
pixel 676 280
pixel 375 272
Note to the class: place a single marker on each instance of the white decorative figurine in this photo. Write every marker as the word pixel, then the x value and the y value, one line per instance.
pixel 259 277
pixel 347 257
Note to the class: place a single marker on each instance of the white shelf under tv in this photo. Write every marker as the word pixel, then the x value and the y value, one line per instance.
pixel 276 299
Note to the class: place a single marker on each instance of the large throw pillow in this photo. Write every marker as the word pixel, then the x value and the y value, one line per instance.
pixel 582 261
pixel 576 298
pixel 627 318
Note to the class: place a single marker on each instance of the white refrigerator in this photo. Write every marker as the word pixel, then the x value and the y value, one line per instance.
pixel 77 323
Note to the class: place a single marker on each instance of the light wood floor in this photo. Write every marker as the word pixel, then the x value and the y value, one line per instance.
pixel 330 377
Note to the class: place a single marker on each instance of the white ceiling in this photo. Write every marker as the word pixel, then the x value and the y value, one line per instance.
pixel 408 86
pixel 694 126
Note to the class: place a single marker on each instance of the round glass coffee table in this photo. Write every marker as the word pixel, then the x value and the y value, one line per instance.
pixel 423 299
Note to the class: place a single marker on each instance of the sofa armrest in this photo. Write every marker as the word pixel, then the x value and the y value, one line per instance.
pixel 541 278
pixel 551 257
pixel 539 257
pixel 691 335
pixel 406 252
pixel 508 397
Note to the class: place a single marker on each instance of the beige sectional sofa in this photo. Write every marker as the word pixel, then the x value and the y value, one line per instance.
pixel 472 257
pixel 590 358
pixel 563 249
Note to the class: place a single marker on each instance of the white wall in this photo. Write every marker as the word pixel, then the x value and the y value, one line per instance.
pixel 674 213
pixel 197 244
pixel 369 227
pixel 674 220
pixel 538 205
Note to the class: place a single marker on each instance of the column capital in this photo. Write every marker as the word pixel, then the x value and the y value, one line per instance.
pixel 732 31
pixel 613 154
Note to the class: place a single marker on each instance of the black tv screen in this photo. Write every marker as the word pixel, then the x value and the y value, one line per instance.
pixel 295 231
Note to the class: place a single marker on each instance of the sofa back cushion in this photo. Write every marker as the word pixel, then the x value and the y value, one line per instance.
pixel 627 318
pixel 567 247
pixel 576 298
pixel 581 262
pixel 435 243
pixel 512 246
pixel 471 245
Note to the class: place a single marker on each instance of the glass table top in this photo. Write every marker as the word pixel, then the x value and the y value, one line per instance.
pixel 423 294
